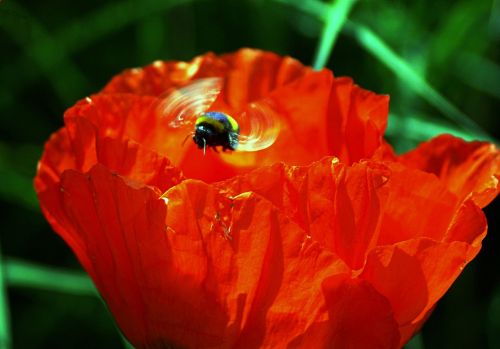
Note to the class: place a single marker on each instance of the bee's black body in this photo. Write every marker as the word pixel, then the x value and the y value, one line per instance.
pixel 214 129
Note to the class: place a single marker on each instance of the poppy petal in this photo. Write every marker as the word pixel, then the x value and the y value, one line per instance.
pixel 468 169
pixel 277 291
pixel 324 239
pixel 155 79
pixel 358 119
pixel 413 275
pixel 293 144
pixel 359 318
pixel 56 158
pixel 104 216
pixel 337 204
pixel 254 74
pixel 468 225
pixel 153 261
pixel 249 73
pixel 124 116
pixel 344 113
pixel 414 203
pixel 350 209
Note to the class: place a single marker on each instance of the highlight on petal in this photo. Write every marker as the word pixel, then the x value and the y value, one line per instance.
pixel 156 78
pixel 254 74
pixel 468 169
pixel 249 73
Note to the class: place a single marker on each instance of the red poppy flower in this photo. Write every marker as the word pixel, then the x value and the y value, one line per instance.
pixel 324 239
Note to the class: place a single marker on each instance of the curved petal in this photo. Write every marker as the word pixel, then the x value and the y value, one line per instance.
pixel 358 119
pixel 348 122
pixel 57 157
pixel 156 78
pixel 350 210
pixel 124 157
pixel 414 204
pixel 338 205
pixel 351 251
pixel 401 204
pixel 126 117
pixel 468 169
pixel 359 317
pixel 254 74
pixel 413 275
pixel 344 114
pixel 193 268
pixel 293 144
pixel 249 75
pixel 468 225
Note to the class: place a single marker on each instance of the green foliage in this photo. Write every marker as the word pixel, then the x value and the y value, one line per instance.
pixel 437 60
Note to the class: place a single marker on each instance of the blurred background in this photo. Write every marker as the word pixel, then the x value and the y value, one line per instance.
pixel 438 60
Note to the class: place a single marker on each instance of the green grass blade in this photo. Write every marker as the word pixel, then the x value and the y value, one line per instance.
pixel 416 342
pixel 43 54
pixel 16 185
pixel 335 18
pixel 126 343
pixel 373 44
pixel 25 274
pixel 19 189
pixel 480 73
pixel 110 18
pixel 5 337
pixel 377 47
pixel 417 128
pixel 455 32
pixel 150 38
pixel 313 7
pixel 494 23
pixel 79 34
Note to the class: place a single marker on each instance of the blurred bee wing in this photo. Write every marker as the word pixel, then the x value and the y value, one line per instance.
pixel 182 106
pixel 261 125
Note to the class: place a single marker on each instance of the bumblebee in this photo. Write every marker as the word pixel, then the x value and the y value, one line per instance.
pixel 187 106
pixel 214 129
